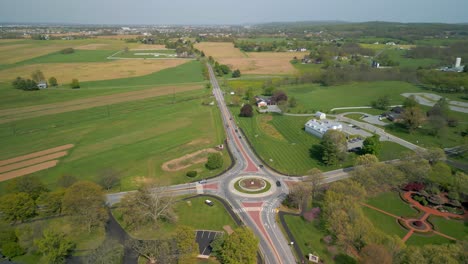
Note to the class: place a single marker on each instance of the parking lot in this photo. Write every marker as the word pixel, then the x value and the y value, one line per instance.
pixel 204 239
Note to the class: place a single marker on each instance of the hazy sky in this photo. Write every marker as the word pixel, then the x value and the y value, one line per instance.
pixel 230 12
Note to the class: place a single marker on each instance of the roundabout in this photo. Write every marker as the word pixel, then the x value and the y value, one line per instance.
pixel 253 186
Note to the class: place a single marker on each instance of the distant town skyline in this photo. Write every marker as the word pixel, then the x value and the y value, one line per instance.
pixel 230 12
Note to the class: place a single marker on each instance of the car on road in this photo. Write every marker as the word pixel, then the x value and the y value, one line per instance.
pixel 260 165
pixel 240 137
pixel 278 183
pixel 209 202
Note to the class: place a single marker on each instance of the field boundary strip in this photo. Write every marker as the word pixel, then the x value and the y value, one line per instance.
pixel 18 165
pixel 33 162
pixel 36 154
pixel 28 170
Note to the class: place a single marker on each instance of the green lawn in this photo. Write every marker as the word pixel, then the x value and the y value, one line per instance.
pixel 399 56
pixel 421 240
pixel 145 54
pixel 391 150
pixel 392 203
pixel 77 56
pixel 195 214
pixel 135 138
pixel 314 97
pixel 282 142
pixel 454 228
pixel 386 223
pixel 308 237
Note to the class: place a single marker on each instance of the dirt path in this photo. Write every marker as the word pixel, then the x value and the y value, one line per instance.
pixel 36 154
pixel 176 164
pixel 30 162
pixel 380 210
pixel 28 170
pixel 13 114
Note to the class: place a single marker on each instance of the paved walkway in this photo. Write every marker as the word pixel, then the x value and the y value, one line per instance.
pixel 427 212
pixel 407 197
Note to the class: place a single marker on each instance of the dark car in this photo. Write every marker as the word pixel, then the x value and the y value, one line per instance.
pixel 278 183
pixel 260 165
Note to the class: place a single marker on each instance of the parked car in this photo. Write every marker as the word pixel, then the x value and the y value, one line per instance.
pixel 278 183
pixel 209 202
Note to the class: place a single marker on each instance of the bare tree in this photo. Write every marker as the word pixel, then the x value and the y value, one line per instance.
pixel 155 251
pixel 316 179
pixel 299 194
pixel 109 178
pixel 148 205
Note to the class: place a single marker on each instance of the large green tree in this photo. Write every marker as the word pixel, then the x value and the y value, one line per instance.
pixel 17 207
pixel 413 117
pixel 333 147
pixel 215 161
pixel 29 184
pixel 84 201
pixel 54 246
pixel 186 245
pixel 50 203
pixel 240 247
pixel 371 145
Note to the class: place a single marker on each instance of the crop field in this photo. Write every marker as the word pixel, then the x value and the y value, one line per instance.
pixel 188 73
pixel 134 138
pixel 19 50
pixel 145 54
pixel 65 72
pixel 251 62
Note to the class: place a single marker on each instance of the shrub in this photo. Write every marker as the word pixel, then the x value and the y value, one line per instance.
pixel 453 195
pixel 53 81
pixel 75 84
pixel 67 51
pixel 344 259
pixel 418 223
pixel 192 174
pixel 24 84
pixel 215 161
pixel 12 249
pixel 246 111
pixel 414 186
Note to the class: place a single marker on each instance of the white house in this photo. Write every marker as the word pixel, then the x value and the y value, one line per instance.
pixel 42 85
pixel 320 127
pixel 320 115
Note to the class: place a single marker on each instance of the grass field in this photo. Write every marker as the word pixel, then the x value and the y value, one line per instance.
pixel 387 224
pixel 314 97
pixel 399 56
pixel 250 62
pixel 189 72
pixel 282 142
pixel 308 236
pixel 146 54
pixel 392 203
pixel 421 240
pixel 454 228
pixel 193 213
pixel 135 138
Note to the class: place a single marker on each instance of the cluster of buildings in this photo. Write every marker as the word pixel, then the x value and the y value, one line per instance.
pixel 456 68
pixel 320 125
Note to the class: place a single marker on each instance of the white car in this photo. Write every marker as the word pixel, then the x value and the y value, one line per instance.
pixel 209 202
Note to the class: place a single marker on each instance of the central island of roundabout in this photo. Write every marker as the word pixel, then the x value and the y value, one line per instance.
pixel 252 185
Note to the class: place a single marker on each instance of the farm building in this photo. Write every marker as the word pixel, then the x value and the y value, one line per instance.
pixel 320 127
pixel 42 85
pixel 320 115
